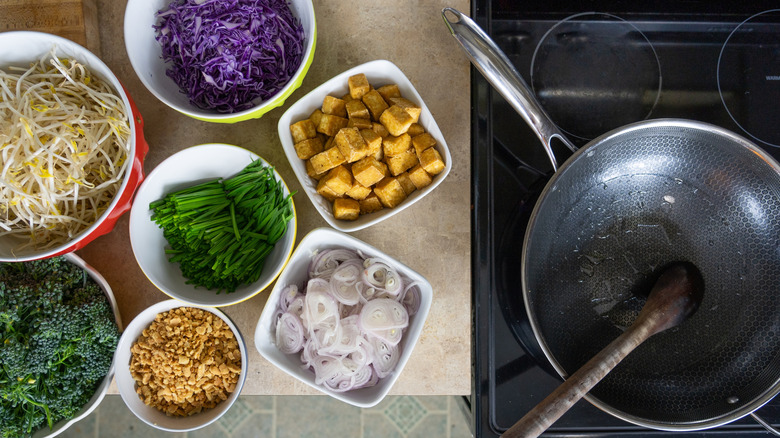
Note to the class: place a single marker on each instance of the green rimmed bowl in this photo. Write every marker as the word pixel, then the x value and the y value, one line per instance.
pixel 145 56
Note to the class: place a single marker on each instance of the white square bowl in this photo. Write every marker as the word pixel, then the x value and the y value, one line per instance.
pixel 296 272
pixel 379 72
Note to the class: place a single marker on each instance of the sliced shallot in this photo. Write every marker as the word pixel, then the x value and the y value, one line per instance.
pixel 289 334
pixel 383 314
pixel 385 357
pixel 382 277
pixel 326 261
pixel 345 282
pixel 348 320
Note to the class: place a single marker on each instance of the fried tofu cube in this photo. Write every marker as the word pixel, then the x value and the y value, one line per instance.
pixel 356 109
pixel 358 191
pixel 374 142
pixel 309 148
pixel 431 161
pixel 406 183
pixel 393 145
pixel 419 177
pixel 375 103
pixel 357 122
pixel 396 120
pixel 351 144
pixel 369 171
pixel 407 105
pixel 339 180
pixel 328 142
pixel 346 209
pixel 303 130
pixel 326 192
pixel 311 172
pixel 388 91
pixel 380 129
pixel 423 142
pixel 330 124
pixel 327 159
pixel 370 204
pixel 334 106
pixel 390 192
pixel 358 86
pixel 415 129
pixel 402 162
pixel 315 117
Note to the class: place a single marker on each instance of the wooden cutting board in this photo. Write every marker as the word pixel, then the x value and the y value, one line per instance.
pixel 75 20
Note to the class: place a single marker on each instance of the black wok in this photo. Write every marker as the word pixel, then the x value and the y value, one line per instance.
pixel 628 202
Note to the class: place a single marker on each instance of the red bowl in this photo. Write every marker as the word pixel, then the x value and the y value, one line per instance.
pixel 134 178
pixel 21 48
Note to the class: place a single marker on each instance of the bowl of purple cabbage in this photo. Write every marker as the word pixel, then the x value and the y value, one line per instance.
pixel 343 317
pixel 221 61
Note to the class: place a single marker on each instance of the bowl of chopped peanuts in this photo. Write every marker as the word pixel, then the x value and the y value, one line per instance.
pixel 180 367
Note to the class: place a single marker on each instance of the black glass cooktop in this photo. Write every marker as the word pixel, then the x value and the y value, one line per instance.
pixel 717 62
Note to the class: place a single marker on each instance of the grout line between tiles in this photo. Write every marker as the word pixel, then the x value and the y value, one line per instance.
pixel 96 428
pixel 274 432
pixel 449 419
pixel 362 423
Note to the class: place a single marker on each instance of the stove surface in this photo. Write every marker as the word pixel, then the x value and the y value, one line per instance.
pixel 700 61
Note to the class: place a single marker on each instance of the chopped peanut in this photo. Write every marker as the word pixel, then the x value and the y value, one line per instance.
pixel 186 361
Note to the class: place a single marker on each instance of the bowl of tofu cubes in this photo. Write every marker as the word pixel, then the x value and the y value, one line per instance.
pixel 364 146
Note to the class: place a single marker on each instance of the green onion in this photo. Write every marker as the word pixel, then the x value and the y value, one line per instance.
pixel 221 231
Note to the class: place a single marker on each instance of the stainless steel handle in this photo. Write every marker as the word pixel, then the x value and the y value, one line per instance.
pixel 499 71
pixel 765 424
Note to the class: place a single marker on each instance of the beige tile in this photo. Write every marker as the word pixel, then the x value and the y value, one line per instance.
pixel 377 425
pixel 295 416
pixel 313 416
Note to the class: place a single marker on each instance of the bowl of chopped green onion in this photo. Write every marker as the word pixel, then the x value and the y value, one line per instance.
pixel 213 232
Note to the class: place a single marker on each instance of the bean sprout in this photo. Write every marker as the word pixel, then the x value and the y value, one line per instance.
pixel 63 150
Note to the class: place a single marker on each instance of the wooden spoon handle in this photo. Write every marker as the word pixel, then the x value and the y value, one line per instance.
pixel 578 384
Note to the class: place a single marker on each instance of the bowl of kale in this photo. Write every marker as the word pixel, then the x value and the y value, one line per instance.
pixel 59 328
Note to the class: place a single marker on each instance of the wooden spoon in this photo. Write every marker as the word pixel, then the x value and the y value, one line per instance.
pixel 675 296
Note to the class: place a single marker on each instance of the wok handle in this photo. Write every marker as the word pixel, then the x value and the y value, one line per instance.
pixel 488 58
pixel 541 417
pixel 765 424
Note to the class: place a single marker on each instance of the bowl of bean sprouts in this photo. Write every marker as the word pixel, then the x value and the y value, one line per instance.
pixel 343 317
pixel 71 146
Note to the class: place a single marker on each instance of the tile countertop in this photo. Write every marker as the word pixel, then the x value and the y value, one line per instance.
pixel 432 236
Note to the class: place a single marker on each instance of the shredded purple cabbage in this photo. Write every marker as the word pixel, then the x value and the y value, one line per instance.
pixel 230 55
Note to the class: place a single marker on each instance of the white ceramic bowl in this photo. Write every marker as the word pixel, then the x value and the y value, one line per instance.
pixel 184 169
pixel 102 389
pixel 379 73
pixel 297 273
pixel 146 58
pixel 126 385
pixel 20 49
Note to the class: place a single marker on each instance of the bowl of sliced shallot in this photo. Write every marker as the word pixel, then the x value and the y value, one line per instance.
pixel 343 317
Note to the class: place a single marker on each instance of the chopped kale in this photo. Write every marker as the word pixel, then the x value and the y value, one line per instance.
pixel 57 340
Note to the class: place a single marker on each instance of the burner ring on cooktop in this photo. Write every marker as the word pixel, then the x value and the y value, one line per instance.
pixel 749 77
pixel 593 72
